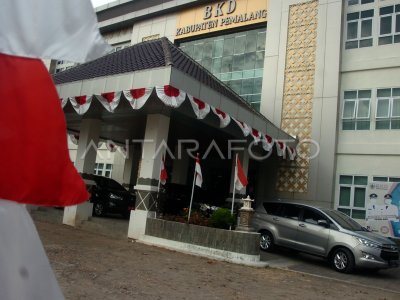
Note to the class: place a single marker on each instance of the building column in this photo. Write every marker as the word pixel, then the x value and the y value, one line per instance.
pixel 132 165
pixel 84 163
pixel 156 134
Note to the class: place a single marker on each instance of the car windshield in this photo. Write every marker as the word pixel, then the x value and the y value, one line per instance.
pixel 344 220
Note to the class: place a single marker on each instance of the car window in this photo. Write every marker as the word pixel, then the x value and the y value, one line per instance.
pixel 290 211
pixel 343 220
pixel 272 208
pixel 312 216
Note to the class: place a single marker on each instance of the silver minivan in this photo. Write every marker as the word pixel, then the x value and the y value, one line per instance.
pixel 324 232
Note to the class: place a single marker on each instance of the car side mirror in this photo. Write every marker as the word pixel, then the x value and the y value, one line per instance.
pixel 323 223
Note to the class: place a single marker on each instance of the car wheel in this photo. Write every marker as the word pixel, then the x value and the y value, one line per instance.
pixel 342 260
pixel 98 209
pixel 266 241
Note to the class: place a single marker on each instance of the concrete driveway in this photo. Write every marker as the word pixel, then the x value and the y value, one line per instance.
pixel 291 260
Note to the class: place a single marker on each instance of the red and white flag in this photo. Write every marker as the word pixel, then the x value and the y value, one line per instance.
pixel 280 148
pixel 170 95
pixel 31 117
pixel 163 172
pixel 224 118
pixel 267 142
pixel 53 29
pixel 292 153
pixel 81 104
pixel 240 177
pixel 256 136
pixel 243 126
pixel 138 97
pixel 199 176
pixel 200 108
pixel 110 100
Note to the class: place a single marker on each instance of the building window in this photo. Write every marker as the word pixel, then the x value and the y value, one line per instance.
pixel 386 179
pixel 389 26
pixel 103 169
pixel 356 110
pixel 355 2
pixel 352 195
pixel 359 29
pixel 237 59
pixel 388 109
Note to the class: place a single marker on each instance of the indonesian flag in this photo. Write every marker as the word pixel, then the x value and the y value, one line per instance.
pixel 292 153
pixel 110 100
pixel 31 117
pixel 64 101
pixel 199 176
pixel 243 126
pixel 163 172
pixel 74 138
pixel 53 29
pixel 111 146
pixel 36 167
pixel 281 148
pixel 170 95
pixel 240 177
pixel 256 135
pixel 224 118
pixel 200 108
pixel 267 142
pixel 81 104
pixel 138 97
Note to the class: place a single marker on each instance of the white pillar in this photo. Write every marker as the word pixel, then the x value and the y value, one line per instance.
pixel 84 163
pixel 132 164
pixel 156 134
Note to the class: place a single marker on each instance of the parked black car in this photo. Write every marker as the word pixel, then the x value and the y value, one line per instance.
pixel 109 197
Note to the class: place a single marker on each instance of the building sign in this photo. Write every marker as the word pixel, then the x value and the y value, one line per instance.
pixel 219 16
pixel 150 37
pixel 383 208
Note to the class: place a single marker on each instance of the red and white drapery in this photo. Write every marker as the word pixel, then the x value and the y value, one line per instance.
pixel 174 98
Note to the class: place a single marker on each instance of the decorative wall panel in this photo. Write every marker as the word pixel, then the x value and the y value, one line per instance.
pixel 299 92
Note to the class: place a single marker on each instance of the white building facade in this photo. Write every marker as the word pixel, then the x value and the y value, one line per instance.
pixel 326 72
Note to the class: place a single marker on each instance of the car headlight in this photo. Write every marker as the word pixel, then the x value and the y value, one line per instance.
pixel 113 196
pixel 368 243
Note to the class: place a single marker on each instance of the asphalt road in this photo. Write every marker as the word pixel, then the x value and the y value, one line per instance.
pixel 283 258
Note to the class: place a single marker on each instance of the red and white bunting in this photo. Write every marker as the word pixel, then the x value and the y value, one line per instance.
pixel 281 148
pixel 256 136
pixel 81 104
pixel 267 142
pixel 63 101
pixel 109 100
pixel 200 108
pixel 224 118
pixel 292 153
pixel 138 97
pixel 111 146
pixel 74 138
pixel 243 126
pixel 170 95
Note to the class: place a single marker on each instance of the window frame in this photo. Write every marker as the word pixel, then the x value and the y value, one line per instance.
pixel 103 171
pixel 393 15
pixel 355 116
pixel 352 187
pixel 390 117
pixel 359 22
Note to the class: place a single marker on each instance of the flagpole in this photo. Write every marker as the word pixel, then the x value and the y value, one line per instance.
pixel 234 183
pixel 191 198
pixel 159 176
